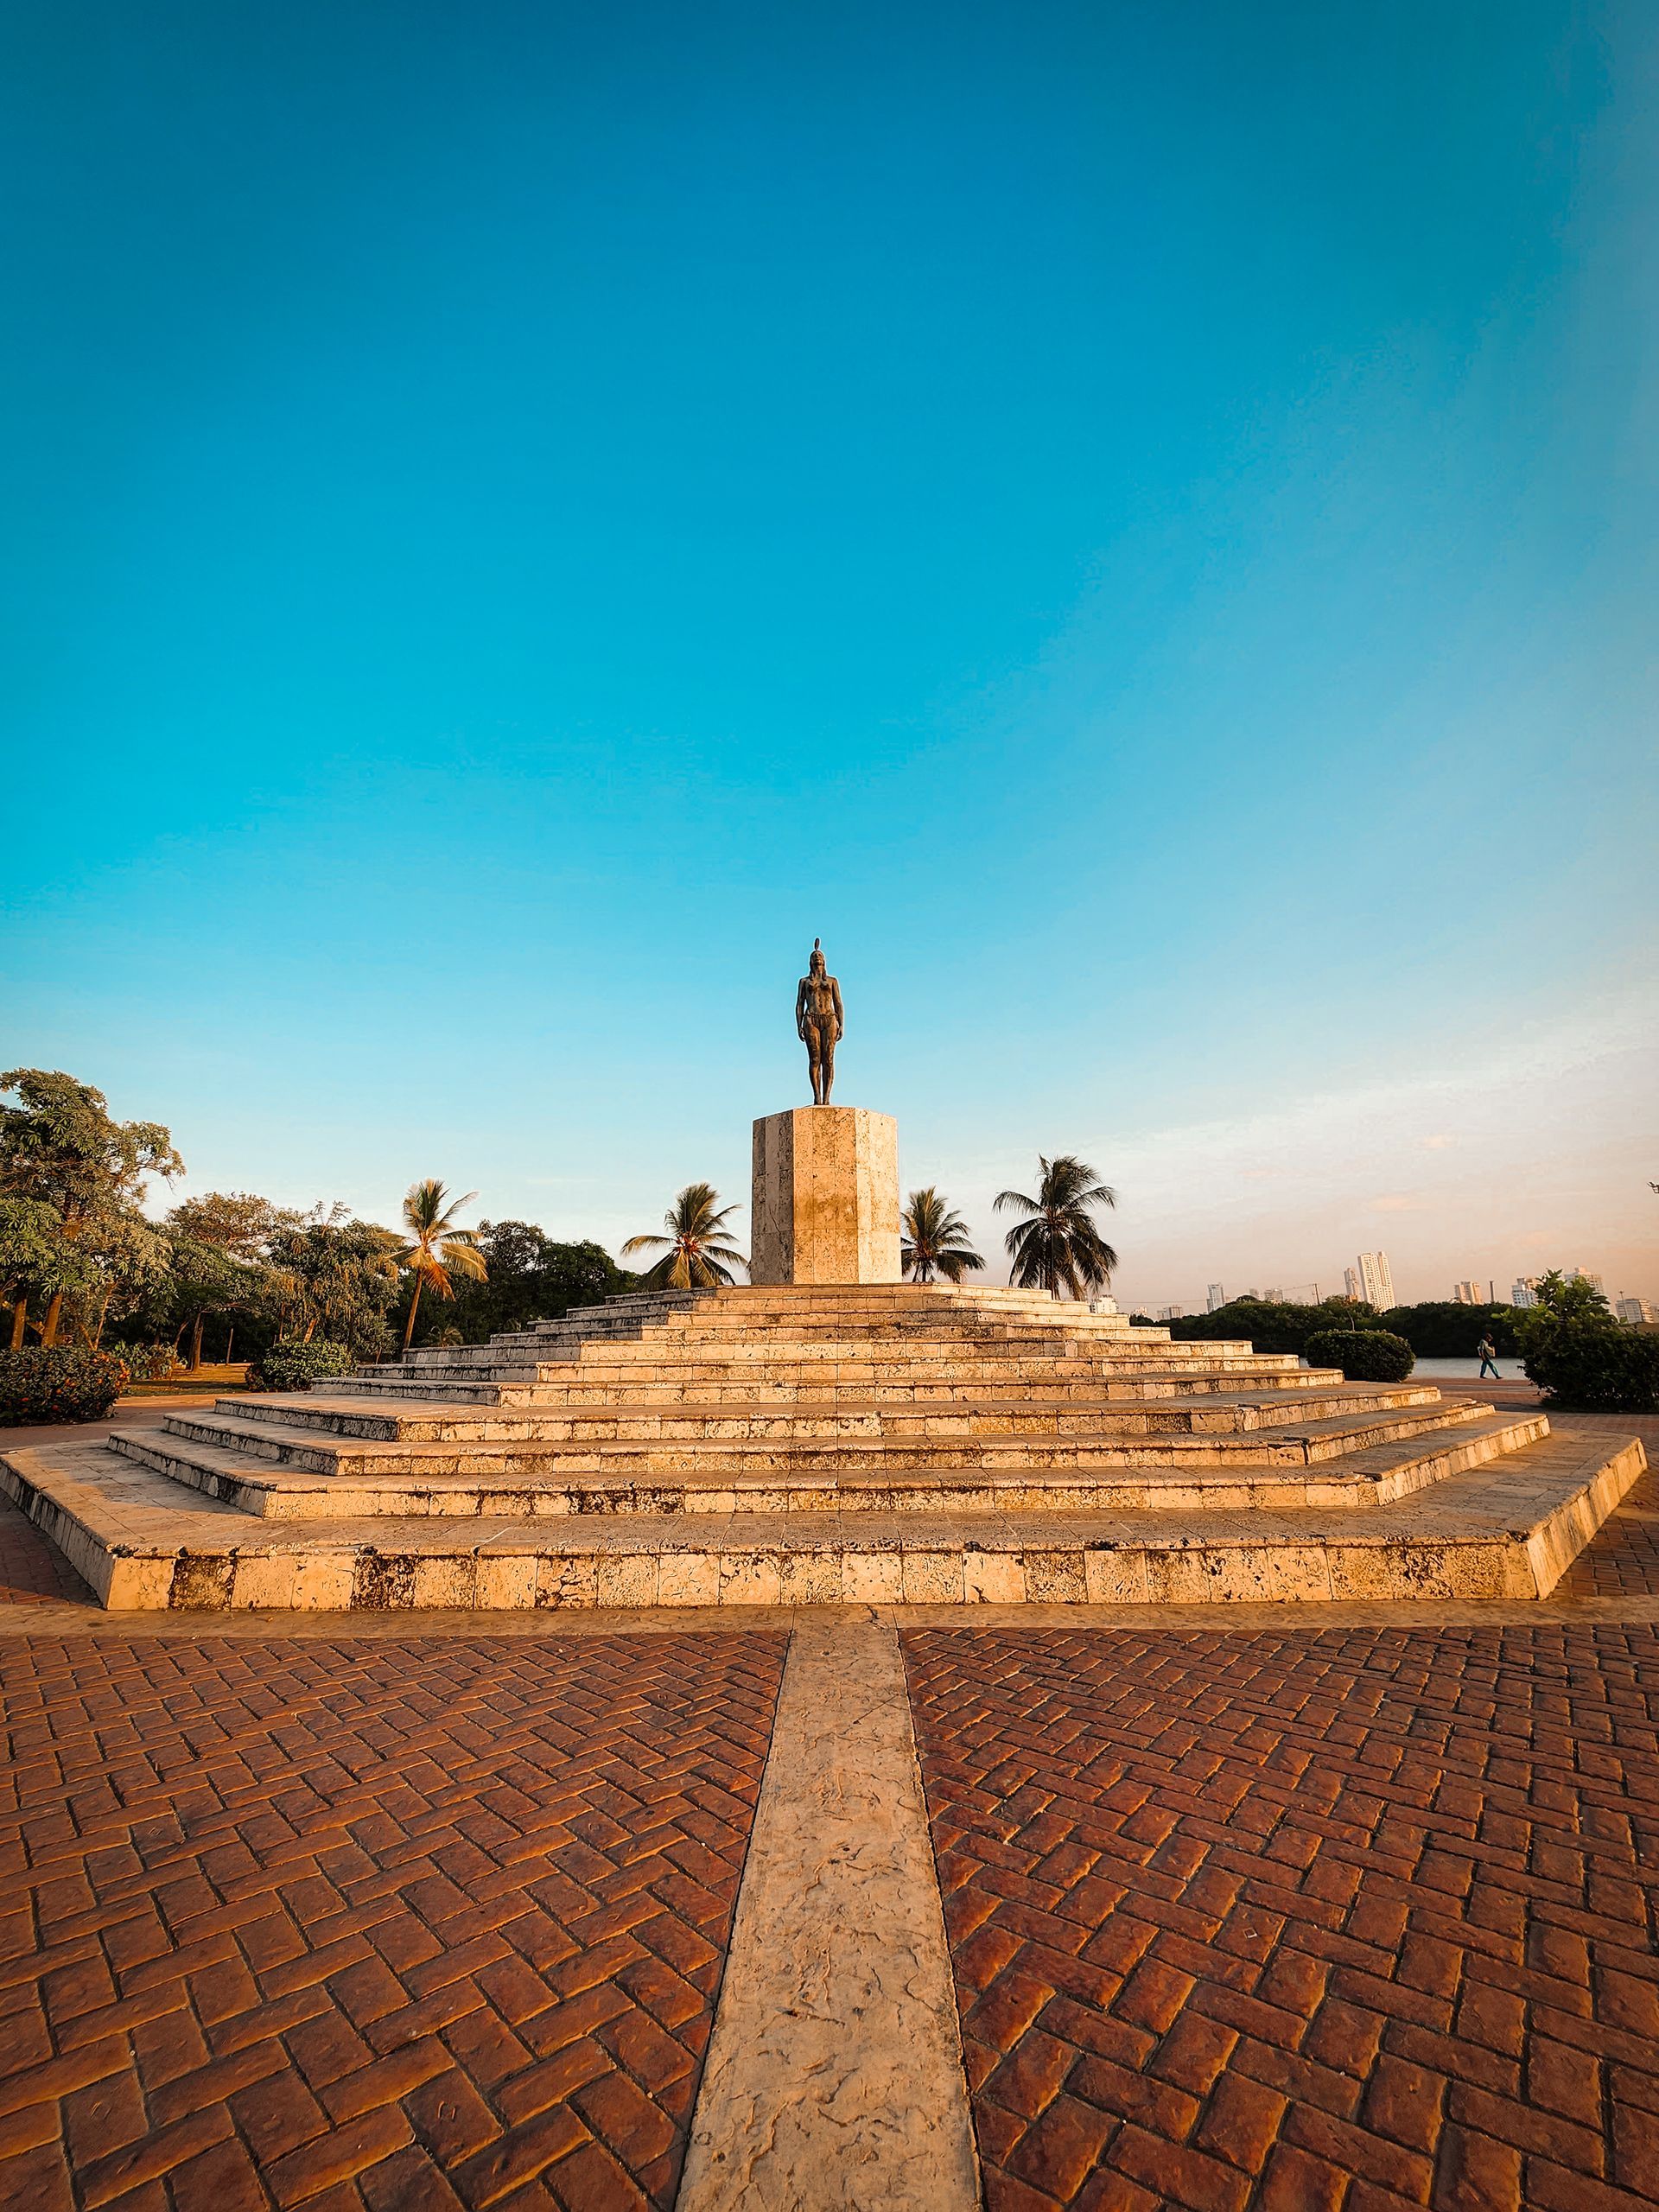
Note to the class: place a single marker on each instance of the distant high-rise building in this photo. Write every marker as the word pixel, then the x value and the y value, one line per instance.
pixel 1635 1309
pixel 1170 1312
pixel 1376 1283
pixel 1524 1291
pixel 1351 1282
pixel 1469 1293
pixel 1273 1297
pixel 1215 1299
pixel 1595 1282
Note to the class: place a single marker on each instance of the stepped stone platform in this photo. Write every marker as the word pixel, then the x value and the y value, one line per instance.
pixel 879 1443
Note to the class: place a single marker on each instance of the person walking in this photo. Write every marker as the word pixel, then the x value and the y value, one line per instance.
pixel 1488 1351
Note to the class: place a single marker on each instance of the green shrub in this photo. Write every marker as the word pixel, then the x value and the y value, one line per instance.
pixel 1363 1355
pixel 58 1382
pixel 151 1363
pixel 295 1366
pixel 1593 1365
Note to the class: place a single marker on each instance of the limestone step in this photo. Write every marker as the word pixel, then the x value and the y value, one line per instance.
pixel 762 1458
pixel 366 1486
pixel 518 1396
pixel 1220 1403
pixel 326 1408
pixel 744 1354
pixel 1505 1529
pixel 754 1363
pixel 271 1426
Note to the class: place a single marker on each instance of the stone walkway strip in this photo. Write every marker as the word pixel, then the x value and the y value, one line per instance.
pixel 834 2077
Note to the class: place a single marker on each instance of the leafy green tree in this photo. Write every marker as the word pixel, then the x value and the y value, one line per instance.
pixel 697 1251
pixel 218 1261
pixel 237 1222
pixel 59 1148
pixel 935 1240
pixel 35 1260
pixel 438 1250
pixel 1578 1354
pixel 1058 1244
pixel 204 1279
pixel 1569 1298
pixel 530 1278
pixel 335 1278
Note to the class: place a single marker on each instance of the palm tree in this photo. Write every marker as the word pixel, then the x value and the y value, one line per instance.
pixel 936 1240
pixel 697 1253
pixel 437 1250
pixel 1058 1242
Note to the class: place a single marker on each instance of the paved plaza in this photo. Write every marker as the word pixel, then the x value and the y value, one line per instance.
pixel 1301 1906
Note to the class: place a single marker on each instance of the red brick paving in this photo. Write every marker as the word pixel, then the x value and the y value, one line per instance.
pixel 367 1926
pixel 1622 1561
pixel 32 1571
pixel 1357 1918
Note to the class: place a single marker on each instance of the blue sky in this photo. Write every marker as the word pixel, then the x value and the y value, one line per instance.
pixel 1137 526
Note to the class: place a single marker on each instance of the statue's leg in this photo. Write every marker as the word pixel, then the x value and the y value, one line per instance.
pixel 829 1051
pixel 815 1063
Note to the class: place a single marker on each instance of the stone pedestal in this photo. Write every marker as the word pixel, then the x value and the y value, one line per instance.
pixel 826 1197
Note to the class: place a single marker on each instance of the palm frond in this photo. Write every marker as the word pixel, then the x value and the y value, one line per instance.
pixel 465 1259
pixel 696 1252
pixel 934 1237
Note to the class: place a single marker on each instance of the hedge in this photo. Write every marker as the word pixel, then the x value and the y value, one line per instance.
pixel 1363 1355
pixel 296 1366
pixel 58 1382
pixel 1442 1329
pixel 1596 1366
pixel 1436 1329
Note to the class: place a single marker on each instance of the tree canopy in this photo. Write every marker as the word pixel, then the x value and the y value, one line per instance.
pixel 74 1178
pixel 697 1251
pixel 532 1277
pixel 1058 1245
pixel 935 1239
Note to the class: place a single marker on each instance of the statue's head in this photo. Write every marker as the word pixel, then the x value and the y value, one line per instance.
pixel 816 963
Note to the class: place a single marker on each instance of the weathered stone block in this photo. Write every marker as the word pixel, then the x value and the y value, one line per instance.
pixel 826 1197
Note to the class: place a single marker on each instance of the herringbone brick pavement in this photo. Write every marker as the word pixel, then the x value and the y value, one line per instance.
pixel 1284 1921
pixel 32 1571
pixel 385 1926
pixel 1622 1561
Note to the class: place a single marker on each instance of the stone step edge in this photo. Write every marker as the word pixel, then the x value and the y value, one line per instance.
pixel 320 1409
pixel 309 1421
pixel 621 1373
pixel 505 1369
pixel 217 1473
pixel 1308 1567
pixel 1320 1443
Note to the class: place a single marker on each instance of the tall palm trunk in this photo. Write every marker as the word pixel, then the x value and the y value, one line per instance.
pixel 195 1343
pixel 19 1323
pixel 414 1303
pixel 49 1333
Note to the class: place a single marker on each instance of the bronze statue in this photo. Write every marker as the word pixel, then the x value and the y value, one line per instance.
pixel 819 1022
